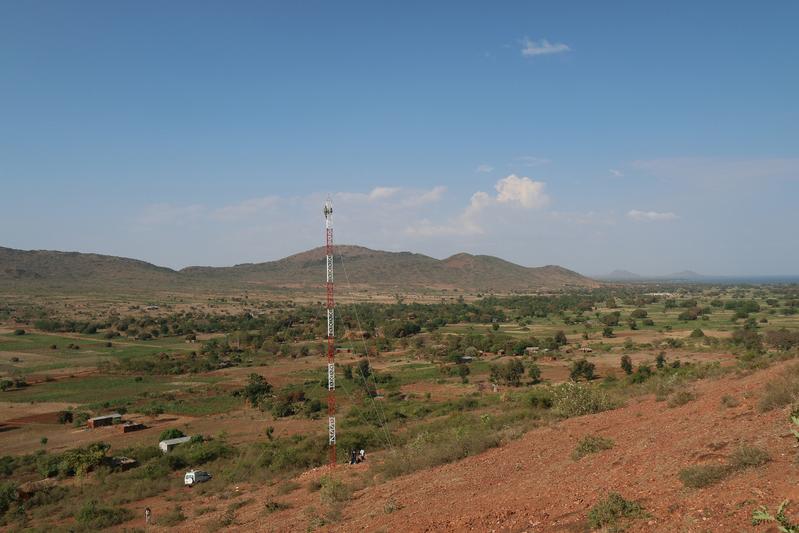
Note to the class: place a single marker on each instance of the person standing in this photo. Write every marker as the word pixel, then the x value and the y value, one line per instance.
pixel 147 516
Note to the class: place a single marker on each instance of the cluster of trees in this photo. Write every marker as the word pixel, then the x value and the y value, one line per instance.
pixel 512 372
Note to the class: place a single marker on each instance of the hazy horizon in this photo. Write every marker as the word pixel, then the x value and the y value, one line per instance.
pixel 653 139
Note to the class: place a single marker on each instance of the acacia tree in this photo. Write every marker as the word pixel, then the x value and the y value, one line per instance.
pixel 583 368
pixel 257 389
pixel 627 364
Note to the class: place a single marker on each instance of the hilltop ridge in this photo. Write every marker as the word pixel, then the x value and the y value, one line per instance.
pixel 355 265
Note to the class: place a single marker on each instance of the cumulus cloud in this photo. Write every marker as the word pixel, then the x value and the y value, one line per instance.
pixel 524 191
pixel 512 190
pixel 532 48
pixel 650 216
pixel 484 168
pixel 245 208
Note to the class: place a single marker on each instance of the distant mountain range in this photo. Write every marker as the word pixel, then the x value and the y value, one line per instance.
pixel 690 276
pixel 355 265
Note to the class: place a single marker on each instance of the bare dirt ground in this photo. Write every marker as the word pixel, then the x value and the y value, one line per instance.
pixel 532 484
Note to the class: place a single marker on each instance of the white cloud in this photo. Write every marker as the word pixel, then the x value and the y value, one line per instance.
pixel 380 193
pixel 511 190
pixel 532 161
pixel 376 194
pixel 616 173
pixel 245 208
pixel 524 191
pixel 650 216
pixel 532 48
pixel 424 197
pixel 484 168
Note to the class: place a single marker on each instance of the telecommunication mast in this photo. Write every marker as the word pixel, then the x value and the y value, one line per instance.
pixel 331 343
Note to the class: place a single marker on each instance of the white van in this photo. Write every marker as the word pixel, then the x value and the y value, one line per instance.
pixel 195 476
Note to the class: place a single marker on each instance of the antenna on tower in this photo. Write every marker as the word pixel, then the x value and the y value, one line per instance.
pixel 331 343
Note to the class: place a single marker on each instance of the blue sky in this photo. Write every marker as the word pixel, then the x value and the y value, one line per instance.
pixel 653 137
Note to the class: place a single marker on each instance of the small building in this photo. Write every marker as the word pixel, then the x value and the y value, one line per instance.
pixel 531 350
pixel 586 349
pixel 166 446
pixel 130 426
pixel 105 420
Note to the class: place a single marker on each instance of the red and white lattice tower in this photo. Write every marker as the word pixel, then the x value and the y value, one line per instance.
pixel 331 343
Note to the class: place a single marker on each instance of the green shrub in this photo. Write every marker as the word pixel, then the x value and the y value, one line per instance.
pixel 748 456
pixel 334 490
pixel 781 391
pixel 8 495
pixel 431 447
pixel 572 399
pixel 272 506
pixel 171 433
pixel 19 332
pixel 681 397
pixel 700 476
pixel 541 398
pixel 172 517
pixel 612 510
pixel 591 444
pixel 94 516
pixel 729 401
pixel 582 368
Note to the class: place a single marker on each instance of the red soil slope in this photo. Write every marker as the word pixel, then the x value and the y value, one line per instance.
pixel 532 484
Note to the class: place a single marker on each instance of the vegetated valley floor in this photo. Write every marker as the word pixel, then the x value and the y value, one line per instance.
pixel 533 484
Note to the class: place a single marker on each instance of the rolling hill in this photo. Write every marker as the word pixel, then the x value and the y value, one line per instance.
pixel 355 265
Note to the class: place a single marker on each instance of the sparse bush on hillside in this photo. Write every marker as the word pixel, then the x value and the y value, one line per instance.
pixel 172 517
pixel 433 447
pixel 612 510
pixel 700 476
pixel 781 391
pixel 334 490
pixel 748 456
pixel 94 516
pixel 591 444
pixel 572 399
pixel 681 397
pixel 729 401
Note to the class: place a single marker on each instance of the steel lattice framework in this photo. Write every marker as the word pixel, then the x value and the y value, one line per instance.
pixel 331 343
